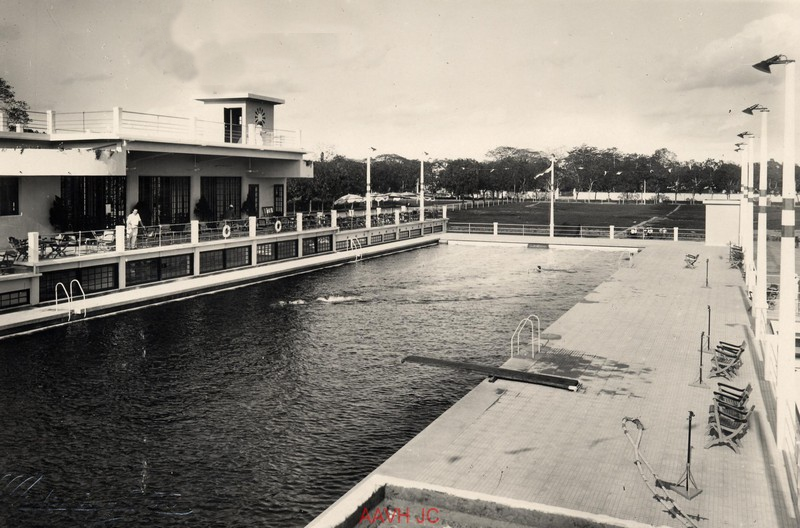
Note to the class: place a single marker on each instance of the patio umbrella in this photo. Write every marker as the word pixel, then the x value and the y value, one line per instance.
pixel 381 198
pixel 349 199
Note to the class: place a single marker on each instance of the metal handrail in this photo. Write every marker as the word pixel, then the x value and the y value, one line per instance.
pixel 69 300
pixel 536 345
pixel 72 296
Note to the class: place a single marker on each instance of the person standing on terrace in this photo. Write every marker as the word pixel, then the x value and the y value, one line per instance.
pixel 132 223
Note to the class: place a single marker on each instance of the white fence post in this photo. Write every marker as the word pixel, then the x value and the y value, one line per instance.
pixel 495 228
pixel 611 232
pixel 675 234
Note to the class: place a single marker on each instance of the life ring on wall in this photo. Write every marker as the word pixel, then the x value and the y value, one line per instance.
pixel 278 226
pixel 226 231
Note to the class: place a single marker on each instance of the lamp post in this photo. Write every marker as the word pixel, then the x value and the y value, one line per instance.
pixel 740 147
pixel 747 233
pixel 788 287
pixel 761 245
pixel 422 188
pixel 552 171
pixel 369 191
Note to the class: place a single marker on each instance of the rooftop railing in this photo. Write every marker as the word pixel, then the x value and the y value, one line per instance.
pixel 157 126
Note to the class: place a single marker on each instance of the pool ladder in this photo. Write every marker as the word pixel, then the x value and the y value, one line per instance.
pixel 536 336
pixel 69 297
pixel 355 245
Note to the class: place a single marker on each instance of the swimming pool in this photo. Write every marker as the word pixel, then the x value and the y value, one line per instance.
pixel 264 404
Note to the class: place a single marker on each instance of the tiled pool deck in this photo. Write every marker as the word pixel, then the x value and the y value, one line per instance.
pixel 634 344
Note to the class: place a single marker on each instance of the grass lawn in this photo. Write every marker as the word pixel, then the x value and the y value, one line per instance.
pixel 684 216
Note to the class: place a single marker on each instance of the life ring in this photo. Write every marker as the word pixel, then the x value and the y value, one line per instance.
pixel 226 231
pixel 278 226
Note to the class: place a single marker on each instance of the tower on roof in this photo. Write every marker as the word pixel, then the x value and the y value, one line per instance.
pixel 248 112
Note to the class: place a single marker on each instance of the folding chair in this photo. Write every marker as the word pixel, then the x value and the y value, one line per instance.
pixel 725 427
pixel 725 364
pixel 691 260
pixel 7 262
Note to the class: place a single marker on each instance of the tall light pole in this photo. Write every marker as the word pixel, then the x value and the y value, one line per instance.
pixel 369 190
pixel 422 188
pixel 740 147
pixel 552 171
pixel 747 234
pixel 760 301
pixel 788 287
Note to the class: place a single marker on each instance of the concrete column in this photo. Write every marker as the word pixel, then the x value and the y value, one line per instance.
pixel 611 232
pixel 194 227
pixel 33 247
pixel 51 122
pixel 494 228
pixel 397 218
pixel 119 238
pixel 122 277
pixel 251 226
pixel 116 120
pixel 334 218
pixel 675 234
pixel 444 212
pixel 299 223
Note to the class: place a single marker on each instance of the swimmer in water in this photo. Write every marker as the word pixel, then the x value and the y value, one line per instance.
pixel 539 269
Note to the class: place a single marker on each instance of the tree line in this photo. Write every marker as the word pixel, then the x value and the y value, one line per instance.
pixel 517 172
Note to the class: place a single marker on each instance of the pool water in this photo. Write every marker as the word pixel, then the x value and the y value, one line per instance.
pixel 260 405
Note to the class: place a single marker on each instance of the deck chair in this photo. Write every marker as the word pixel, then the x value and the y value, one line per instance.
pixel 724 364
pixel 7 261
pixel 691 260
pixel 738 399
pixel 734 393
pixel 725 428
pixel 731 346
pixel 20 246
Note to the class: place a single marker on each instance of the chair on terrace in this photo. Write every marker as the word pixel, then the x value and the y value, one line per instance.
pixel 7 261
pixel 725 363
pixel 732 395
pixel 691 260
pixel 20 246
pixel 727 425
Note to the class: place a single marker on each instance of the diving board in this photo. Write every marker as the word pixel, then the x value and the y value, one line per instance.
pixel 559 382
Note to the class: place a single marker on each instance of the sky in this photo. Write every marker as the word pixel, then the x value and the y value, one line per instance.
pixel 454 79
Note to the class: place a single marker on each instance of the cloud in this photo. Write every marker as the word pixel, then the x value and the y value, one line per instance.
pixel 726 62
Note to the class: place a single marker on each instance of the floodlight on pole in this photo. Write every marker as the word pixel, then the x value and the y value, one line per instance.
pixel 788 286
pixel 760 297
pixel 552 171
pixel 422 188
pixel 369 190
pixel 747 204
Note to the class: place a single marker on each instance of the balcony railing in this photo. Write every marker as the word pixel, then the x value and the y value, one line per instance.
pixel 157 126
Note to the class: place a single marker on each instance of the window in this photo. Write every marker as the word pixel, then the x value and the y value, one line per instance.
pixel 265 252
pixel 237 257
pixel 309 246
pixel 212 261
pixel 9 196
pixel 93 202
pixel 286 249
pixel 278 200
pixel 14 298
pixel 92 279
pixel 324 243
pixel 164 200
pixel 222 192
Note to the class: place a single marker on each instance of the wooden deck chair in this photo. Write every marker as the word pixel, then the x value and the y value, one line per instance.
pixel 691 260
pixel 725 365
pixel 731 346
pixel 733 395
pixel 726 428
pixel 740 401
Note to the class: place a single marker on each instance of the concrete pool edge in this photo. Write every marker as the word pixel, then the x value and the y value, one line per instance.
pixel 363 498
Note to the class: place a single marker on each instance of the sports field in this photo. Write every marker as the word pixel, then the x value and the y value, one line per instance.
pixel 684 216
